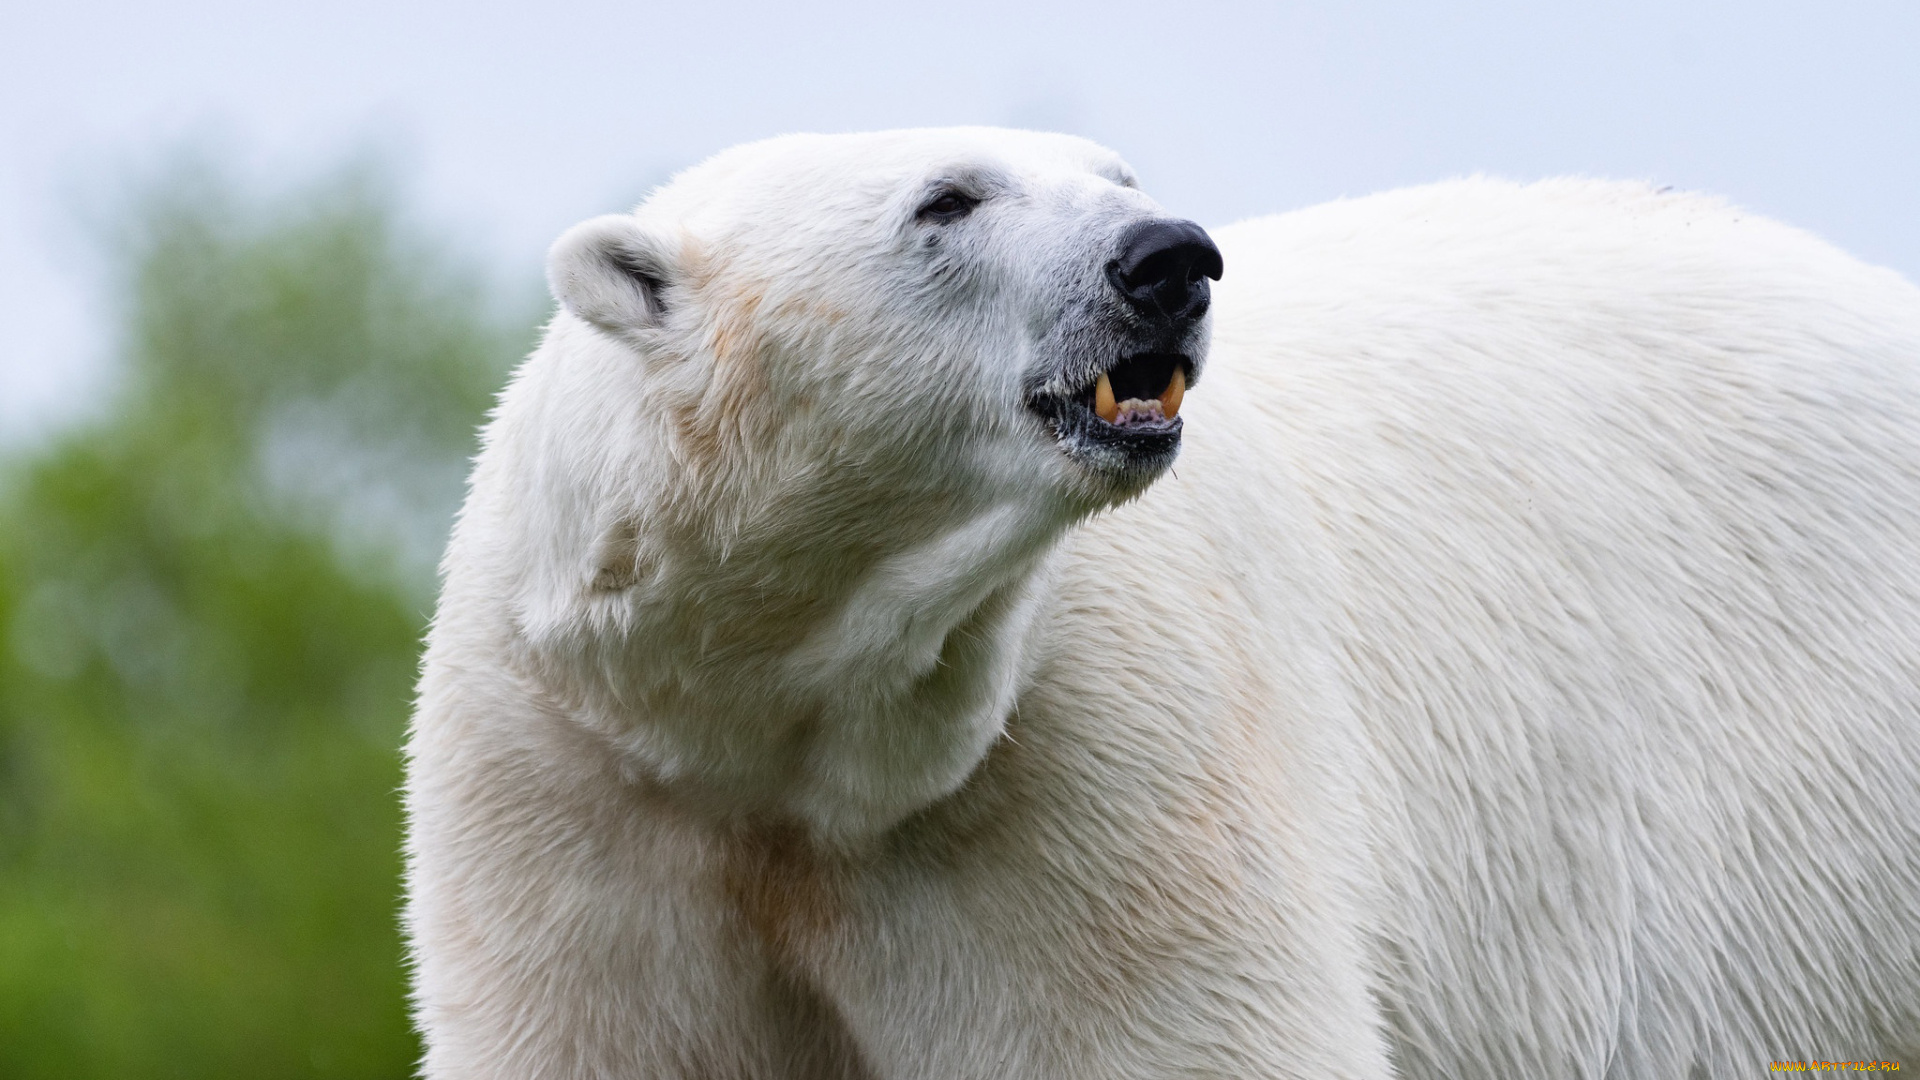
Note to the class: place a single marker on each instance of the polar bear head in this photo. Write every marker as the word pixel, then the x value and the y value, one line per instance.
pixel 983 306
pixel 802 437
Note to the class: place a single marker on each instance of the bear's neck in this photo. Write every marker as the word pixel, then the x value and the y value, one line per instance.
pixel 841 683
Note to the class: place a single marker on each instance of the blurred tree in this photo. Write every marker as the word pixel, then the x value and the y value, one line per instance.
pixel 210 602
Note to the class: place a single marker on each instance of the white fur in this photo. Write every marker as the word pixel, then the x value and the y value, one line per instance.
pixel 1519 677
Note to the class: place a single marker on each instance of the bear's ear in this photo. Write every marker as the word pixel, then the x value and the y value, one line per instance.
pixel 611 273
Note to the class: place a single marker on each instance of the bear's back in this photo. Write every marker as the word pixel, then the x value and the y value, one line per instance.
pixel 1623 489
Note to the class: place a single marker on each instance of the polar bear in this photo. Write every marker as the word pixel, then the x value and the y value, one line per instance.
pixel 909 621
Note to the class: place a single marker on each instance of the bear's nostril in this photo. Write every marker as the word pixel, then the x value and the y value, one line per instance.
pixel 1162 267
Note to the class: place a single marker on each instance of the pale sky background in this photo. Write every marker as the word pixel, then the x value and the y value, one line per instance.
pixel 509 122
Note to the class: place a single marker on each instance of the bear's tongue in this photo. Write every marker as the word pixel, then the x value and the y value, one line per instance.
pixel 1137 410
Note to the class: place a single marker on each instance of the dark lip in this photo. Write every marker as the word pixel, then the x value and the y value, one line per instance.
pixel 1140 446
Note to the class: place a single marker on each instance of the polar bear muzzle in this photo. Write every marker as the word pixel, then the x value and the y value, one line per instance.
pixel 1124 415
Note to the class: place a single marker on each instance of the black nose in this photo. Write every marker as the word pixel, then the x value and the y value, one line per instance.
pixel 1163 267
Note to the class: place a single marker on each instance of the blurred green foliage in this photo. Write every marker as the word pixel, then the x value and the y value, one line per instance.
pixel 211 598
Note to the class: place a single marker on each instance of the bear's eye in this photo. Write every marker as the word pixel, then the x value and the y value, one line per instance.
pixel 947 206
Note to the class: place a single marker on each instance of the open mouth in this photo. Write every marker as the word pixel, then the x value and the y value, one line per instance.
pixel 1126 419
pixel 1139 392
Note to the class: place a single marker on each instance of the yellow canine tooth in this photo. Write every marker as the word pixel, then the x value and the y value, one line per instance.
pixel 1170 397
pixel 1103 399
